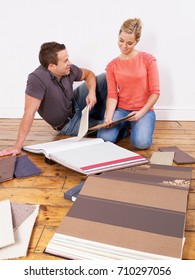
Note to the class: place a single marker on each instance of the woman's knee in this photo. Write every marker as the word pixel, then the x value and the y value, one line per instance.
pixel 141 143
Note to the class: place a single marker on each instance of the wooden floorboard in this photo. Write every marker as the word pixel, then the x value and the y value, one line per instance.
pixel 48 188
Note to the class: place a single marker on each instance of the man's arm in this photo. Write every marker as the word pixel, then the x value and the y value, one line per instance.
pixel 31 106
pixel 90 80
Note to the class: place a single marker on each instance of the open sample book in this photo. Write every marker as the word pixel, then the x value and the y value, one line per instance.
pixel 87 155
pixel 133 213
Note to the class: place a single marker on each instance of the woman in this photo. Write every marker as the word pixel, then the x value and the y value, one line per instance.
pixel 133 88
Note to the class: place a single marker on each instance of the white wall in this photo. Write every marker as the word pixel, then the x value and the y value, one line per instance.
pixel 89 29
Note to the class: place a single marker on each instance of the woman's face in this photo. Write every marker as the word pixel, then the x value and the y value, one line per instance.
pixel 126 42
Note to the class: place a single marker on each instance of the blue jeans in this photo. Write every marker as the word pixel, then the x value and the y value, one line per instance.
pixel 141 130
pixel 96 114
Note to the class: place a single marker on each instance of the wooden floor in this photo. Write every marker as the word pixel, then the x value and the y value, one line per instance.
pixel 48 189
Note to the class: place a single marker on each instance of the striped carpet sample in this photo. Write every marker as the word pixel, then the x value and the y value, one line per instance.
pixel 134 213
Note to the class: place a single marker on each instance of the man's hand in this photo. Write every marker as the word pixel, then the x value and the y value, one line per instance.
pixel 11 151
pixel 90 80
pixel 91 99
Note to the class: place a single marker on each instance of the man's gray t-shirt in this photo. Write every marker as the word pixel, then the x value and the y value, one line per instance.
pixel 56 97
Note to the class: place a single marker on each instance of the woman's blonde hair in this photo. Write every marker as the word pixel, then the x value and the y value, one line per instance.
pixel 132 26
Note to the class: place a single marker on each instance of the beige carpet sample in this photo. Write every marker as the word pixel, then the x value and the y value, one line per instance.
pixel 164 158
pixel 24 217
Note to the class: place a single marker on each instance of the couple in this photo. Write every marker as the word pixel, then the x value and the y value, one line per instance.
pixel 130 85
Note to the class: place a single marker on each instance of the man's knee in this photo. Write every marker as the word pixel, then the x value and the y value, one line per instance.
pixel 101 77
pixel 101 83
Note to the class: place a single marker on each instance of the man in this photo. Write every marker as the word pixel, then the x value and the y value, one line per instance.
pixel 49 91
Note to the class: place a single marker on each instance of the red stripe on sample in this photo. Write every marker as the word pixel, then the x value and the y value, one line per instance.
pixel 110 162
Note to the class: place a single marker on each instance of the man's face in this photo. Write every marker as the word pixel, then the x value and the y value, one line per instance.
pixel 63 66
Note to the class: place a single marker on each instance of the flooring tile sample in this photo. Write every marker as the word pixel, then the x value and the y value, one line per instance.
pixel 7 166
pixel 6 225
pixel 20 212
pixel 165 158
pixel 25 167
pixel 180 156
pixel 22 235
